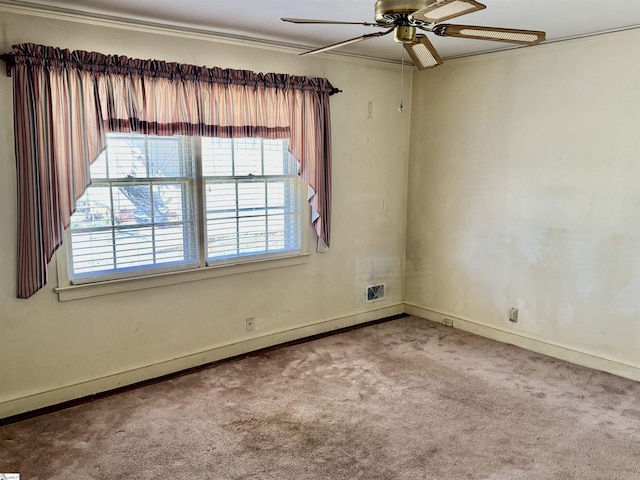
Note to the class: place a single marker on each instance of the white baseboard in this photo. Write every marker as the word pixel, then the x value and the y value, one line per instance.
pixel 90 387
pixel 530 342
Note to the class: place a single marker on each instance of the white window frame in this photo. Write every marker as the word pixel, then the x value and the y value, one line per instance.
pixel 67 290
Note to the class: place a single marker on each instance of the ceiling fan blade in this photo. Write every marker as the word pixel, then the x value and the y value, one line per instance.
pixel 508 35
pixel 446 9
pixel 327 22
pixel 423 53
pixel 348 42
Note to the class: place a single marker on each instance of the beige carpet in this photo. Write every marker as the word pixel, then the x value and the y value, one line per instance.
pixel 405 399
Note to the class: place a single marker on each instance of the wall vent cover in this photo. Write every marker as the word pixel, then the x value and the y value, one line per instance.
pixel 375 292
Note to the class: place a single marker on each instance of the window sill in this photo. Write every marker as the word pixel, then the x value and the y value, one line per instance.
pixel 74 292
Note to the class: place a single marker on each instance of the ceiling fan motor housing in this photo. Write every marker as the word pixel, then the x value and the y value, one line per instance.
pixel 404 34
pixel 391 12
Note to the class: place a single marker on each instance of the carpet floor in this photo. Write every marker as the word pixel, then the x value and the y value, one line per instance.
pixel 404 399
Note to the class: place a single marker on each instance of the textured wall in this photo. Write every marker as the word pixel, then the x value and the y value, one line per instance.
pixel 524 191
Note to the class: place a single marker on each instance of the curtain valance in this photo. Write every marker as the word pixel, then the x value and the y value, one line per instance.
pixel 33 55
pixel 65 101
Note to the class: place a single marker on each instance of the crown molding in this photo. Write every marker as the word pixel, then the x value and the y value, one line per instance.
pixel 161 28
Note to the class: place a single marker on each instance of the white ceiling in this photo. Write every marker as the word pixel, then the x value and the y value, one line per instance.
pixel 260 19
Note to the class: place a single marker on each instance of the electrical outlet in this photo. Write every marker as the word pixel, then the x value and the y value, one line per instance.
pixel 513 315
pixel 447 322
pixel 250 324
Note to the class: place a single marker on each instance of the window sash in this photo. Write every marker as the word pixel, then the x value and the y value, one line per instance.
pixel 239 227
pixel 277 226
pixel 146 187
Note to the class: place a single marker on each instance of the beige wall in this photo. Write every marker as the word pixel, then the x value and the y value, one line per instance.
pixel 524 191
pixel 53 351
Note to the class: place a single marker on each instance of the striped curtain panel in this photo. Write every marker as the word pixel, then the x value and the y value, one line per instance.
pixel 65 102
pixel 57 134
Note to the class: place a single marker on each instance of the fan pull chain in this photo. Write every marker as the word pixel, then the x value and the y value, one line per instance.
pixel 401 108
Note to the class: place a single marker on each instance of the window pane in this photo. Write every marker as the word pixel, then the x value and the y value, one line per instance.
pixel 276 193
pixel 92 251
pixel 136 198
pixel 172 201
pixel 142 215
pixel 251 199
pixel 126 156
pixel 252 235
pixel 134 247
pixel 137 156
pixel 222 239
pixel 247 157
pixel 175 243
pixel 217 157
pixel 123 209
pixel 221 199
pixel 165 156
pixel 276 158
pixel 93 209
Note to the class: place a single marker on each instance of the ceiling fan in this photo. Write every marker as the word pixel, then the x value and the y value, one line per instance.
pixel 405 17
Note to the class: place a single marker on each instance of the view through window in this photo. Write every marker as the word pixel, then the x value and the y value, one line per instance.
pixel 160 204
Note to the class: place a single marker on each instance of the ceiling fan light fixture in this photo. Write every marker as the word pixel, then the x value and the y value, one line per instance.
pixel 446 9
pixel 423 53
pixel 508 35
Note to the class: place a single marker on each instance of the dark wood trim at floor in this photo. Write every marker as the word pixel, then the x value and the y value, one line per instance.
pixel 89 398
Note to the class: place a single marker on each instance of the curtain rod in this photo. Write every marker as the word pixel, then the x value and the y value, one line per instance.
pixel 9 60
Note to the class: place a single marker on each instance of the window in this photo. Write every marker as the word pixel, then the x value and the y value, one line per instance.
pixel 164 204
pixel 250 208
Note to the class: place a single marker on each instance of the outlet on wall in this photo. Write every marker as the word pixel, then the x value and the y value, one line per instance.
pixel 513 315
pixel 250 324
